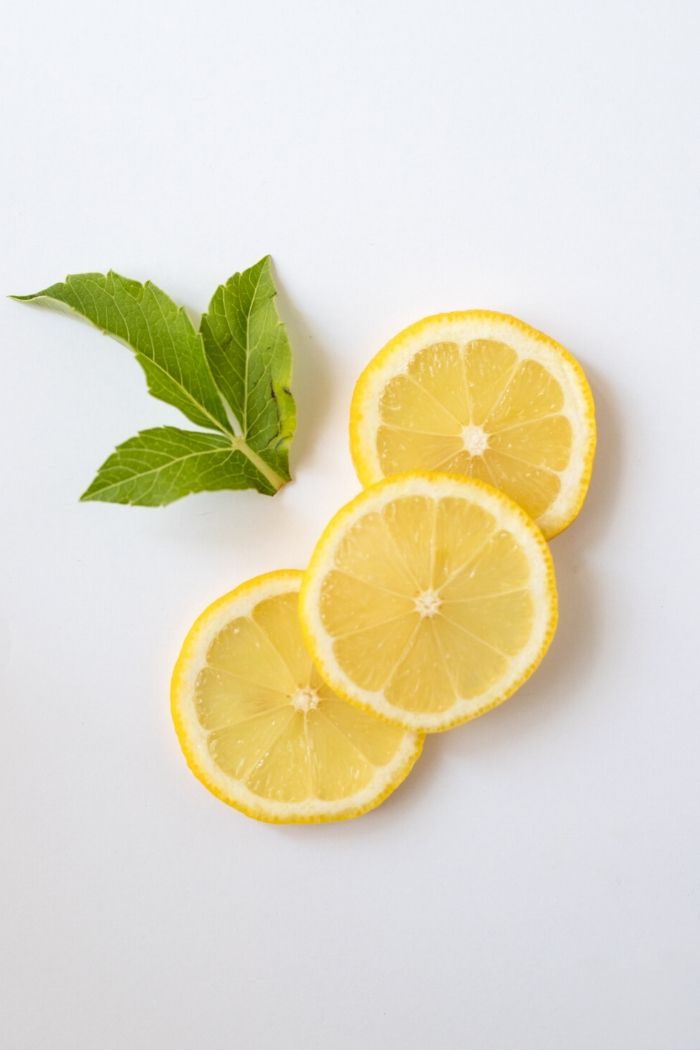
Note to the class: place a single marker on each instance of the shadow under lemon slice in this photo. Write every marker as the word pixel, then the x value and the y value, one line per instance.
pixel 262 730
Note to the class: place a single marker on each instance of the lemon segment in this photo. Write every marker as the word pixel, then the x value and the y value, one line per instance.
pixel 262 730
pixel 484 395
pixel 429 599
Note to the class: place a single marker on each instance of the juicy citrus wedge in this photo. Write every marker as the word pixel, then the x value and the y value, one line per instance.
pixel 262 730
pixel 429 599
pixel 484 395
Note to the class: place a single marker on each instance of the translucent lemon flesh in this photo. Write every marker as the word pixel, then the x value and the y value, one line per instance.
pixel 264 731
pixel 430 599
pixel 477 410
pixel 515 412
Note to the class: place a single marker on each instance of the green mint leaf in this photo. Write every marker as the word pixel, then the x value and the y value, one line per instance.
pixel 163 464
pixel 165 342
pixel 232 377
pixel 251 361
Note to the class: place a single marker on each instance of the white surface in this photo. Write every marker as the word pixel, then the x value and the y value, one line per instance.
pixel 535 882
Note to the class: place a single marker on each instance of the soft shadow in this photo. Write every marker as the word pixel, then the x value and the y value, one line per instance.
pixel 211 517
pixel 566 663
pixel 311 377
pixel 573 647
pixel 601 504
pixel 311 373
pixel 377 822
pixel 574 553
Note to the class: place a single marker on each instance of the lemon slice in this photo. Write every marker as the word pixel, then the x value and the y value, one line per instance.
pixel 429 599
pixel 484 395
pixel 260 728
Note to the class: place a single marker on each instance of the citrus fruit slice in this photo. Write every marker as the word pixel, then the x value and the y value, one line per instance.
pixel 262 730
pixel 484 395
pixel 429 599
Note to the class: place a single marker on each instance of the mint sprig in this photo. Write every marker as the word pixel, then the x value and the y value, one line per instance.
pixel 232 377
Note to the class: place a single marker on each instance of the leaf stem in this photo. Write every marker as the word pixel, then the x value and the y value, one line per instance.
pixel 276 480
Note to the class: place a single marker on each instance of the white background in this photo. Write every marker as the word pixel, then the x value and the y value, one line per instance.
pixel 534 884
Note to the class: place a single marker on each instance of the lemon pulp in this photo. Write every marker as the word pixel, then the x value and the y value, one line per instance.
pixel 260 726
pixel 485 396
pixel 429 599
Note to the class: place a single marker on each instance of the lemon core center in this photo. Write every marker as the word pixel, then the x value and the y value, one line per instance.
pixel 427 603
pixel 305 699
pixel 475 439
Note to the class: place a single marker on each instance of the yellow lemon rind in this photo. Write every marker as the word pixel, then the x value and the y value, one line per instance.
pixel 317 640
pixel 265 811
pixel 363 421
